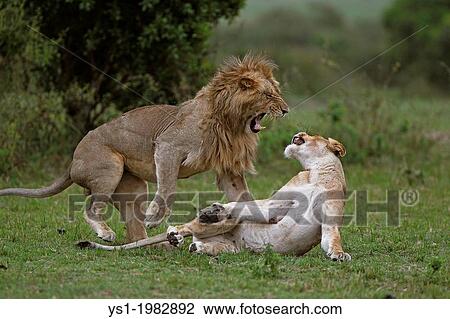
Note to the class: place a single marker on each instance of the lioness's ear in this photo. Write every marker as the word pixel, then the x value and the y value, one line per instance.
pixel 246 83
pixel 336 147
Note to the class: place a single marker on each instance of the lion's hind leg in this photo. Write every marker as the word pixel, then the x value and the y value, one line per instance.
pixel 129 198
pixel 101 177
pixel 95 216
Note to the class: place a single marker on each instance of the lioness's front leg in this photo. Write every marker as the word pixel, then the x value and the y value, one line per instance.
pixel 235 189
pixel 245 208
pixel 331 238
pixel 167 167
pixel 264 211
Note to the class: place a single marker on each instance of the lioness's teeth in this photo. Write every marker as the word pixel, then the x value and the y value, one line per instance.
pixel 262 127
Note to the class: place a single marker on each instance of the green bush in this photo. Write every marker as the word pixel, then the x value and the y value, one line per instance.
pixel 25 56
pixel 32 126
pixel 426 53
pixel 156 48
pixel 33 121
pixel 49 98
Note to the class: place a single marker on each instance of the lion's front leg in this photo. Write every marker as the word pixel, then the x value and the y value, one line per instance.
pixel 167 167
pixel 235 187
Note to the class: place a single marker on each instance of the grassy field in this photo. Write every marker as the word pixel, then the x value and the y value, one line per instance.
pixel 409 261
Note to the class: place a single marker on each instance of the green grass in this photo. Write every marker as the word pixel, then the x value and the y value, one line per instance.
pixel 409 261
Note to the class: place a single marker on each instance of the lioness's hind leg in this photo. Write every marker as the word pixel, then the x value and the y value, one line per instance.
pixel 213 246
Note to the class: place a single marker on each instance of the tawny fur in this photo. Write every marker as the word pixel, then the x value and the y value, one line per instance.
pixel 227 146
pixel 162 143
pixel 282 220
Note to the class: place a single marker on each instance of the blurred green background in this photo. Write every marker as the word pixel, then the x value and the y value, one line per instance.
pixel 164 51
pixel 392 114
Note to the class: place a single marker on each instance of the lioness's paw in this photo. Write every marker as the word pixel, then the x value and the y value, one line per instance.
pixel 196 247
pixel 339 256
pixel 107 235
pixel 213 214
pixel 174 238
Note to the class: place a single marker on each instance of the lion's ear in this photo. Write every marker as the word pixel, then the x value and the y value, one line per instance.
pixel 246 83
pixel 336 147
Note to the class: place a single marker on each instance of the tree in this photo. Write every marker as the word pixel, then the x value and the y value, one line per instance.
pixel 155 48
pixel 428 51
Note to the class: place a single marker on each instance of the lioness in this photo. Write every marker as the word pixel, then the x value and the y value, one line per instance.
pixel 304 212
pixel 215 130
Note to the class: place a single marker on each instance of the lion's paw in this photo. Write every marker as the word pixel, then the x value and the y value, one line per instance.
pixel 339 256
pixel 154 215
pixel 106 235
pixel 174 238
pixel 213 214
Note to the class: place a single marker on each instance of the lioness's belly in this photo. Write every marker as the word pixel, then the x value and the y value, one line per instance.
pixel 297 239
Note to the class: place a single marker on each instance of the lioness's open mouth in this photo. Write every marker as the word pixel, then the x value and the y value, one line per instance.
pixel 255 123
pixel 298 140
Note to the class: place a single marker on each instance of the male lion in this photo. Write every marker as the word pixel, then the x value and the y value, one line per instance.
pixel 215 130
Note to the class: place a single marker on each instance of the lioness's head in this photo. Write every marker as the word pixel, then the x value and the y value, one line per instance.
pixel 243 91
pixel 313 149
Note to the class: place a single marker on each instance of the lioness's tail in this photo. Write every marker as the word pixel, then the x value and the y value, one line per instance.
pixel 58 186
pixel 140 243
pixel 174 235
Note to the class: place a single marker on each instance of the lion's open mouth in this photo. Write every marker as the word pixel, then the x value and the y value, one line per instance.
pixel 255 123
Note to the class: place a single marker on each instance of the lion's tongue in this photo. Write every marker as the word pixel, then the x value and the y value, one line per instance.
pixel 256 124
pixel 258 127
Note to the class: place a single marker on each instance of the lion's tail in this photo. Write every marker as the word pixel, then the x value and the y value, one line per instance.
pixel 58 186
pixel 140 243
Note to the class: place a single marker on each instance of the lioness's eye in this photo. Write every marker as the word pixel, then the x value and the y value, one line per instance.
pixel 269 95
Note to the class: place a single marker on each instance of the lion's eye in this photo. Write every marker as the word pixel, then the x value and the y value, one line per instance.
pixel 269 95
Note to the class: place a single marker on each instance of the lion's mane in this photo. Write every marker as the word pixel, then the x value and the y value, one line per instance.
pixel 226 146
